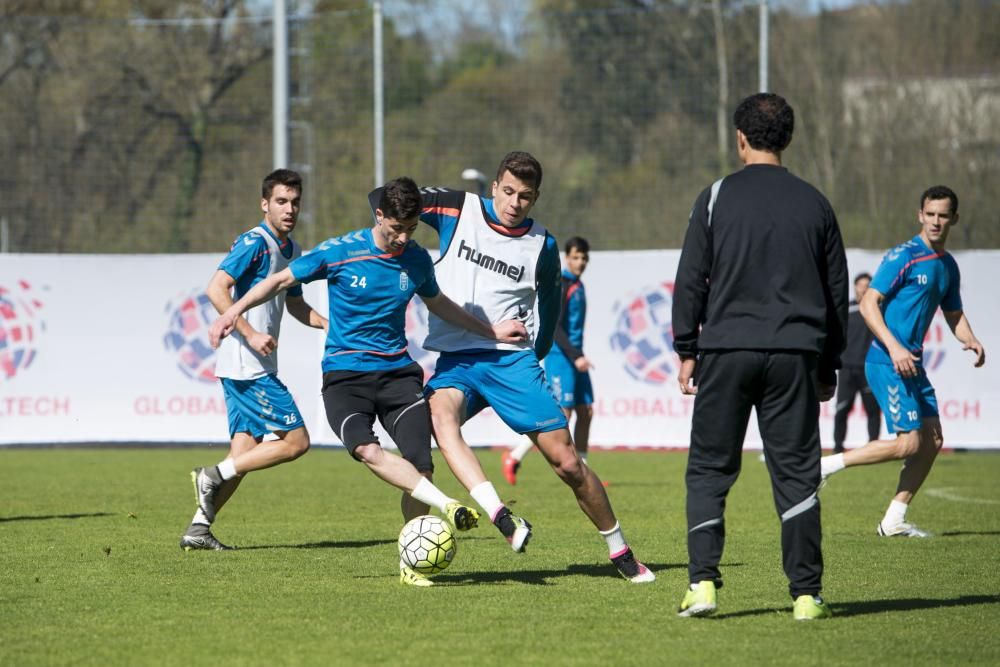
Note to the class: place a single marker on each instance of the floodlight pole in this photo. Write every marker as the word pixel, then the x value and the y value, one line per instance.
pixel 280 85
pixel 477 176
pixel 378 93
pixel 763 46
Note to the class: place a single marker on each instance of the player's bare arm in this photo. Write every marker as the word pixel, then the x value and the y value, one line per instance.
pixel 903 360
pixel 508 331
pixel 258 294
pixel 960 326
pixel 304 313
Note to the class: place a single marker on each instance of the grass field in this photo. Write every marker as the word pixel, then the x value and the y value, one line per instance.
pixel 92 574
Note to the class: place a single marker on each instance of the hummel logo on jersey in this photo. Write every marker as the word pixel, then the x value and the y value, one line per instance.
pixel 515 273
pixel 351 237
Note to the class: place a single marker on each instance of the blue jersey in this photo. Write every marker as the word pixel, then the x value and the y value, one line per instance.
pixel 569 331
pixel 248 260
pixel 441 211
pixel 369 289
pixel 914 280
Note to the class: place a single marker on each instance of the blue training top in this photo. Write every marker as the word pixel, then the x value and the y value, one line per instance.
pixel 569 331
pixel 248 260
pixel 915 280
pixel 369 290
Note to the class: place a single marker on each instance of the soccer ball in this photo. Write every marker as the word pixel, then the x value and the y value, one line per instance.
pixel 427 544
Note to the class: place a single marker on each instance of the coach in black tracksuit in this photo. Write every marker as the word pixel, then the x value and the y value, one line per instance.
pixel 851 380
pixel 759 319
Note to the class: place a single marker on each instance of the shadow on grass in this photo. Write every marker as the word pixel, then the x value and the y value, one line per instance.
pixel 45 517
pixel 959 533
pixel 328 544
pixel 542 577
pixel 346 544
pixel 863 607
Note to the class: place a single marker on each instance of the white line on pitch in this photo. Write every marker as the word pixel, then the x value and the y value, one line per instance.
pixel 946 494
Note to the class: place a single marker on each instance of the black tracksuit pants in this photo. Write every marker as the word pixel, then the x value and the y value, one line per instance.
pixel 780 385
pixel 850 382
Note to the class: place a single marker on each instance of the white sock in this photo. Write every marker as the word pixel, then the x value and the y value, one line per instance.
pixel 486 495
pixel 429 494
pixel 227 469
pixel 896 514
pixel 831 464
pixel 200 518
pixel 615 539
pixel 520 451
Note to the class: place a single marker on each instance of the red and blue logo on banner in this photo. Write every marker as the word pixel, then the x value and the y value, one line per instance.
pixel 20 326
pixel 187 335
pixel 643 335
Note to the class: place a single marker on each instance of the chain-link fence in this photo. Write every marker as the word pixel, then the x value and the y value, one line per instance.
pixel 152 134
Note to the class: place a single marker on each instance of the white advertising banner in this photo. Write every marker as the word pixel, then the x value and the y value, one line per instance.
pixel 114 348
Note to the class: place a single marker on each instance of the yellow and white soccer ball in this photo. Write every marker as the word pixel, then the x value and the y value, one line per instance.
pixel 427 544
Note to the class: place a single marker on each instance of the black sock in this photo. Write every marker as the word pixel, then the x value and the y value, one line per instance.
pixel 504 523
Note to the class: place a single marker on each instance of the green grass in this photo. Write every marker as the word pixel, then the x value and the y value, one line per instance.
pixel 92 574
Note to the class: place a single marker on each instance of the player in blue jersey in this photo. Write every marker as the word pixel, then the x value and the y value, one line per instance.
pixel 256 400
pixel 566 368
pixel 497 262
pixel 371 276
pixel 914 279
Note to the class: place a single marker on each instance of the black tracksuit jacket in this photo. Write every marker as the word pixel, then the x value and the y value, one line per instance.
pixel 765 270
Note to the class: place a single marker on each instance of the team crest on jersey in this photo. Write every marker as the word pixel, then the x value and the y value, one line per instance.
pixel 404 281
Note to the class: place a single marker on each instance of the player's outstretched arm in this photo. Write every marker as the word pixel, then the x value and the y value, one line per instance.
pixel 258 294
pixel 508 331
pixel 903 360
pixel 305 313
pixel 219 292
pixel 960 326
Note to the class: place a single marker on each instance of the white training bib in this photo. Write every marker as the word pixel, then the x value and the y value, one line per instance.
pixel 489 274
pixel 235 359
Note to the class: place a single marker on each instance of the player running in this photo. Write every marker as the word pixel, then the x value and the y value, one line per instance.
pixel 496 261
pixel 566 368
pixel 912 281
pixel 371 276
pixel 246 363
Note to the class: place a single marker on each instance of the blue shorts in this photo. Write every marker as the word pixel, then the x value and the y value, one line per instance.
pixel 905 402
pixel 260 406
pixel 511 382
pixel 569 386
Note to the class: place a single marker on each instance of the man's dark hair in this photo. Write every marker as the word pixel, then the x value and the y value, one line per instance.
pixel 522 166
pixel 767 121
pixel 401 199
pixel 864 275
pixel 287 177
pixel 577 242
pixel 940 192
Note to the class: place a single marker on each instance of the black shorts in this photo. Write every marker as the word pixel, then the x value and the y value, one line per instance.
pixel 354 399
